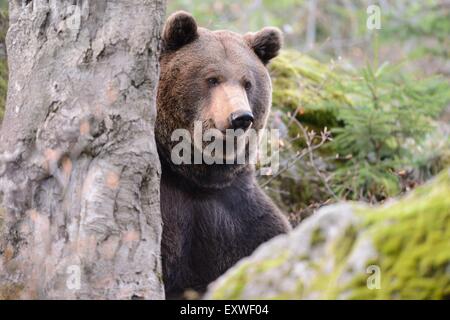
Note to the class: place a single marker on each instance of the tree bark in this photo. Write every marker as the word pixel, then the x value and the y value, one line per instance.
pixel 79 170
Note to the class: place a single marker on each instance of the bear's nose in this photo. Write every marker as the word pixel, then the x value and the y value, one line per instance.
pixel 241 120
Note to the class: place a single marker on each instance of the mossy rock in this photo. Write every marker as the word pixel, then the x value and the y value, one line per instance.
pixel 399 250
pixel 308 88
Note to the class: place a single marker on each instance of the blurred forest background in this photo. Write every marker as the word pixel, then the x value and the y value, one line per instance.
pixel 364 114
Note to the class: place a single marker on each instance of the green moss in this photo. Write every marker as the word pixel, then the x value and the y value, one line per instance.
pixel 410 240
pixel 240 276
pixel 413 239
pixel 317 237
pixel 327 285
pixel 303 86
pixel 235 284
pixel 344 245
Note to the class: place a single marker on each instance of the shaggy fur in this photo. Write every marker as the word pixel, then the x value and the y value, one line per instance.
pixel 213 215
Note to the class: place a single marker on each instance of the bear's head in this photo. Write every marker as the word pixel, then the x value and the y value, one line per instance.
pixel 216 78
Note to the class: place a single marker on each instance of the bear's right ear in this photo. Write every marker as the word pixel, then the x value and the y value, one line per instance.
pixel 180 29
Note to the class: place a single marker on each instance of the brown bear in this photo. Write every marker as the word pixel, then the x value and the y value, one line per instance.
pixel 213 214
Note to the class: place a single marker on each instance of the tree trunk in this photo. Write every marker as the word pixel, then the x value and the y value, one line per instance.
pixel 311 24
pixel 79 170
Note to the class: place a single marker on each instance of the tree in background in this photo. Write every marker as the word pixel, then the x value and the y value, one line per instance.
pixel 324 29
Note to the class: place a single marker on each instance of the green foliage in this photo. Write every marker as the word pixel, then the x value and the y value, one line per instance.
pixel 239 15
pixel 390 114
pixel 382 120
pixel 304 94
pixel 426 22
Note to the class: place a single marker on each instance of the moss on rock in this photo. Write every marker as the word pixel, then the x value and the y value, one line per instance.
pixel 413 239
pixel 303 86
pixel 400 250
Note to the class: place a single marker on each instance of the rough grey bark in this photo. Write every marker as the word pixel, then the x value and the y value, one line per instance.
pixel 79 171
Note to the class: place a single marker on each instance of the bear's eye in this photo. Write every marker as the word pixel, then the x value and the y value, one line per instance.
pixel 247 85
pixel 213 81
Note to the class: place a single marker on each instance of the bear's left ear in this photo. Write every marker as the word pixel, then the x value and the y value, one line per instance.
pixel 179 30
pixel 266 43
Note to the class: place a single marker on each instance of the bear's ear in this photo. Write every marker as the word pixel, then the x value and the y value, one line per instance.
pixel 179 30
pixel 266 43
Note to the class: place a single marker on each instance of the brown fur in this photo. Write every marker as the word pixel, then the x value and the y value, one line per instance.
pixel 225 99
pixel 213 215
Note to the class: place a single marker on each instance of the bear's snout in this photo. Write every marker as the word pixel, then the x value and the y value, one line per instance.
pixel 229 108
pixel 241 120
